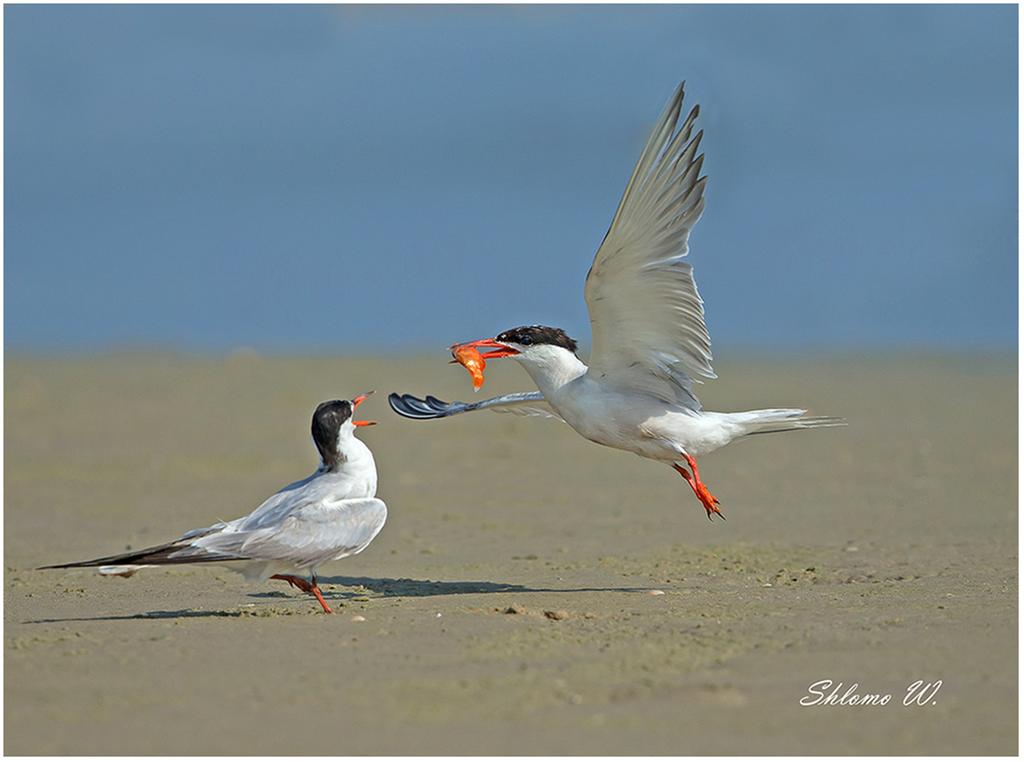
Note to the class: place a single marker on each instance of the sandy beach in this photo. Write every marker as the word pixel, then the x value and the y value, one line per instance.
pixel 531 592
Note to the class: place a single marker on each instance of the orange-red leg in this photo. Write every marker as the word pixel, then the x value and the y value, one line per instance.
pixel 306 587
pixel 320 597
pixel 700 489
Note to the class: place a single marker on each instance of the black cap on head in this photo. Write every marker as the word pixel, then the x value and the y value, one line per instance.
pixel 327 421
pixel 528 335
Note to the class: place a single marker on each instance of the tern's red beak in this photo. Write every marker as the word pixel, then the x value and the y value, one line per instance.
pixel 356 402
pixel 500 350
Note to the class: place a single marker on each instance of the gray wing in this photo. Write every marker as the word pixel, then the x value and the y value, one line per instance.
pixel 311 534
pixel 519 403
pixel 294 497
pixel 646 317
pixel 305 520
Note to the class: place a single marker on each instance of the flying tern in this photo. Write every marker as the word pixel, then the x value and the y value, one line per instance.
pixel 328 515
pixel 650 343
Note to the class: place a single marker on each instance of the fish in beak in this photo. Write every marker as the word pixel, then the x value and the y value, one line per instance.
pixel 470 357
pixel 356 402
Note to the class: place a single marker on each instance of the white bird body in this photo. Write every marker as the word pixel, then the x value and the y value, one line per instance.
pixel 650 342
pixel 331 514
pixel 634 421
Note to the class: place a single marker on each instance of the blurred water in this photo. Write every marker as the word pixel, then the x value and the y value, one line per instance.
pixel 351 178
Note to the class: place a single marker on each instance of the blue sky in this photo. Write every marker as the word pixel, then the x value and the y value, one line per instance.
pixel 337 179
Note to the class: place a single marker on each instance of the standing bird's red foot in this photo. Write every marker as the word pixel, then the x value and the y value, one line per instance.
pixel 700 489
pixel 306 587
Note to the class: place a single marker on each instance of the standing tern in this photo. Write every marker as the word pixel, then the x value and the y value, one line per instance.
pixel 328 515
pixel 650 343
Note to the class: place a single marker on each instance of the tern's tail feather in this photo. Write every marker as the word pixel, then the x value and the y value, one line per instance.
pixel 179 552
pixel 783 419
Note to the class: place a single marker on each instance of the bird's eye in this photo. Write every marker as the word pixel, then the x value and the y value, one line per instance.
pixel 526 341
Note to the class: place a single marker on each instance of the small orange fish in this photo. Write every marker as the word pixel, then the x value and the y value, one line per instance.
pixel 470 359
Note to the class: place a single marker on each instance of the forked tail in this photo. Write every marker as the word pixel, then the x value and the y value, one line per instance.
pixel 783 419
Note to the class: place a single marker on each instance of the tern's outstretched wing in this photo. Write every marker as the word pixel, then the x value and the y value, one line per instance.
pixel 646 316
pixel 520 403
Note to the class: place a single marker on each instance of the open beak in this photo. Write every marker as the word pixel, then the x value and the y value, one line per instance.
pixel 356 402
pixel 500 350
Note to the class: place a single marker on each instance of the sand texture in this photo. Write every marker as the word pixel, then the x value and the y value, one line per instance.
pixel 511 605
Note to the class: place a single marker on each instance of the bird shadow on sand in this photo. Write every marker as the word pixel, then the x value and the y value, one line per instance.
pixel 180 614
pixel 383 587
pixel 360 588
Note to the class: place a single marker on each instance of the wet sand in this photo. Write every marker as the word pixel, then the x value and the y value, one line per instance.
pixel 879 554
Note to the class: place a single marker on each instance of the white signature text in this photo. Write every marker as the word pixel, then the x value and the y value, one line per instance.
pixel 829 693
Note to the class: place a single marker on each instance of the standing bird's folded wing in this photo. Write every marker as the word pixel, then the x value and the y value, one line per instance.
pixel 309 535
pixel 646 316
pixel 519 403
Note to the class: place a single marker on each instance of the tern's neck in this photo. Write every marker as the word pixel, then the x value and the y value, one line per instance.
pixel 353 472
pixel 351 456
pixel 551 368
